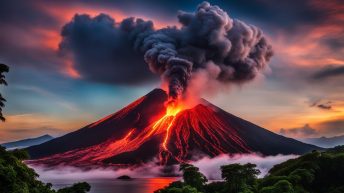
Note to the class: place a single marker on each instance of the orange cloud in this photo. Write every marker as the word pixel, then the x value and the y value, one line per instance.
pixel 308 48
pixel 70 70
pixel 49 38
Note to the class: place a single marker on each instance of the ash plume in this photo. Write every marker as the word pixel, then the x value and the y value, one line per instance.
pixel 238 50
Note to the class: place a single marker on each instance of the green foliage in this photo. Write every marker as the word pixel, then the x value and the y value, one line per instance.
pixel 215 187
pixel 192 176
pixel 16 177
pixel 183 189
pixel 240 178
pixel 316 172
pixel 281 186
pixel 173 185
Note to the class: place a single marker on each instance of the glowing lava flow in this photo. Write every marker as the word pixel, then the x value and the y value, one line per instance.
pixel 166 123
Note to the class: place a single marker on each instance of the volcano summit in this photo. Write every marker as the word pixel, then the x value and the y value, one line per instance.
pixel 146 130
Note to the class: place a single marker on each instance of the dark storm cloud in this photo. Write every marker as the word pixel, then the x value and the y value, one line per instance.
pixel 306 130
pixel 102 49
pixel 329 72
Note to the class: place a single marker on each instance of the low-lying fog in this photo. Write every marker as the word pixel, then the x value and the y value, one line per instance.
pixel 208 166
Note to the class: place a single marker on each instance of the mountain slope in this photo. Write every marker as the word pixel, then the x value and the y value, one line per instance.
pixel 142 132
pixel 27 142
pixel 325 142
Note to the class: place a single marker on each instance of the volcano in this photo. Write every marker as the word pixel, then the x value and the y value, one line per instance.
pixel 146 130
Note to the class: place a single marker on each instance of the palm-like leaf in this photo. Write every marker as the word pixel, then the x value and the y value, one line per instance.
pixel 3 68
pixel 3 81
pixel 2 118
pixel 2 98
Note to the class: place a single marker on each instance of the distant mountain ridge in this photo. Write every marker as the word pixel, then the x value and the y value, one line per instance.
pixel 325 142
pixel 27 142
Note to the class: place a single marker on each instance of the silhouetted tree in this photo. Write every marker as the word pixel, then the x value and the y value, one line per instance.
pixel 3 68
pixel 240 178
pixel 192 176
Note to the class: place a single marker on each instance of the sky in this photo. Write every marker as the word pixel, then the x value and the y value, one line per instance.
pixel 51 91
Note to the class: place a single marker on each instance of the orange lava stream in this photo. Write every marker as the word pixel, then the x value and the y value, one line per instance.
pixel 164 124
pixel 171 111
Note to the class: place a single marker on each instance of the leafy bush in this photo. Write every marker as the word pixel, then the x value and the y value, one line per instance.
pixel 16 177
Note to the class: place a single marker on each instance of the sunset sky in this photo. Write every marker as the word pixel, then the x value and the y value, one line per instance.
pixel 300 95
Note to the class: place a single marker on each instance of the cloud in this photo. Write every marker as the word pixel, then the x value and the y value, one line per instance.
pixel 329 72
pixel 208 166
pixel 27 29
pixel 322 105
pixel 25 13
pixel 304 131
pixel 332 127
pixel 326 106
pixel 102 50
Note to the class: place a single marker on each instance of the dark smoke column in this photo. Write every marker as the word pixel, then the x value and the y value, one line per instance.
pixel 238 50
pixel 178 73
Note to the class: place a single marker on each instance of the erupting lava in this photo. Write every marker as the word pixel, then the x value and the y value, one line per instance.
pixel 167 121
pixel 149 130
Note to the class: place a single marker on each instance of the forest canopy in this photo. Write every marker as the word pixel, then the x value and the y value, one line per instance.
pixel 315 172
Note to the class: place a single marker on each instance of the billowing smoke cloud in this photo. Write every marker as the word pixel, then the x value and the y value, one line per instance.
pixel 102 51
pixel 208 35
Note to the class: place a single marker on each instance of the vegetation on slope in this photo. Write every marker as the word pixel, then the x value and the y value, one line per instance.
pixel 16 177
pixel 316 172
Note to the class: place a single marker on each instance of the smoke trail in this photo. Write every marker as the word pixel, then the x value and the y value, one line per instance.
pixel 206 36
